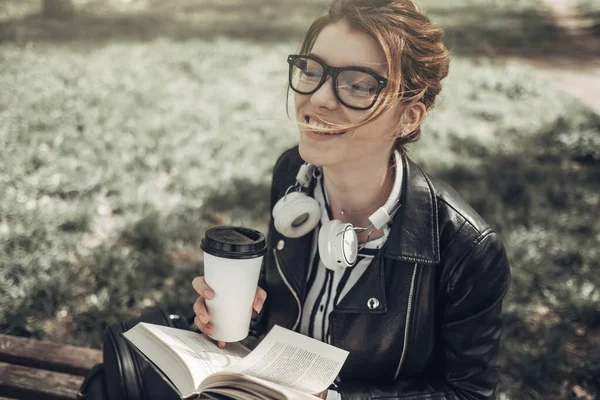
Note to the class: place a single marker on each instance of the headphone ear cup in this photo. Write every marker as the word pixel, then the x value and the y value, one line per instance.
pixel 338 245
pixel 296 214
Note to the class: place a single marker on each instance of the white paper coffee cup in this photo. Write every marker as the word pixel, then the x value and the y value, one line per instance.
pixel 232 260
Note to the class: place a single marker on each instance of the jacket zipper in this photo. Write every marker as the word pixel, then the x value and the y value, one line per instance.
pixel 289 287
pixel 408 315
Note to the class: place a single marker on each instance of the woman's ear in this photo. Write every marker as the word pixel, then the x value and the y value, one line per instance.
pixel 412 116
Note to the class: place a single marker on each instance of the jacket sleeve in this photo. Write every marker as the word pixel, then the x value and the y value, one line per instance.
pixel 469 332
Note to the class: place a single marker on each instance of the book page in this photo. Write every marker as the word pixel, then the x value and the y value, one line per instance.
pixel 245 387
pixel 200 354
pixel 293 360
pixel 159 355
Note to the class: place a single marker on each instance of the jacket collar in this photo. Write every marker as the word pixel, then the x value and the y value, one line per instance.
pixel 414 236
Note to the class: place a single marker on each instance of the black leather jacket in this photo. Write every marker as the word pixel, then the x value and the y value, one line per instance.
pixel 440 280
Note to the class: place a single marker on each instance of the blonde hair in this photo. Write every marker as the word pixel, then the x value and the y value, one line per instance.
pixel 417 59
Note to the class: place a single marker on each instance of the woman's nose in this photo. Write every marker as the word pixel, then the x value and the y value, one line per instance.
pixel 325 96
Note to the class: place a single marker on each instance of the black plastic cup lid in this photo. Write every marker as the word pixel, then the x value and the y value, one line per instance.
pixel 234 242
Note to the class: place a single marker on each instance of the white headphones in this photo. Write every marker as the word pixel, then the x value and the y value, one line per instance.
pixel 296 214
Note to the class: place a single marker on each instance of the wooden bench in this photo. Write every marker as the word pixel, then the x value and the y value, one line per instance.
pixel 34 369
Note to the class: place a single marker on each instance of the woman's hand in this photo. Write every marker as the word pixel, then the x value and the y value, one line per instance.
pixel 202 319
pixel 321 395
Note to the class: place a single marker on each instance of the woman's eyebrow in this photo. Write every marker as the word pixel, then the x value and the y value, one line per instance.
pixel 320 59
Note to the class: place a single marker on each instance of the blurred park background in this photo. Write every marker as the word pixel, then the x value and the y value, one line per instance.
pixel 129 127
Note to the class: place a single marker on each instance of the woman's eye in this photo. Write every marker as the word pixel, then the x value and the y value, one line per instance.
pixel 311 74
pixel 358 89
pixel 357 84
pixel 363 90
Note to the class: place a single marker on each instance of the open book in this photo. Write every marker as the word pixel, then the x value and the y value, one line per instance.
pixel 284 365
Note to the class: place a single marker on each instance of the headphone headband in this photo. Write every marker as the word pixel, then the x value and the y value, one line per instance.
pixel 305 175
pixel 391 202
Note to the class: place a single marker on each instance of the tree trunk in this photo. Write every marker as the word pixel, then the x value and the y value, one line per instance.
pixel 60 9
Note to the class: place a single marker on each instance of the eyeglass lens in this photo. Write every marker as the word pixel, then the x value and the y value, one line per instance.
pixel 354 88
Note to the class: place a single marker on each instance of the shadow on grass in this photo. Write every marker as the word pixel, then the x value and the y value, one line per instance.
pixel 249 197
pixel 479 30
pixel 595 29
pixel 514 190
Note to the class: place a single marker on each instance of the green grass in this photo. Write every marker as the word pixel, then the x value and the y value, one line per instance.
pixel 119 149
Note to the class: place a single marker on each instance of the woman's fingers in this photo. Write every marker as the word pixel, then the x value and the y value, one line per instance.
pixel 199 306
pixel 205 328
pixel 259 299
pixel 201 311
pixel 202 319
pixel 202 288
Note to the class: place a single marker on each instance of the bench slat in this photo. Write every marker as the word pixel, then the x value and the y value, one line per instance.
pixel 47 355
pixel 29 383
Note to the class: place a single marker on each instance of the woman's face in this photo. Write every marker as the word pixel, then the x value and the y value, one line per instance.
pixel 338 46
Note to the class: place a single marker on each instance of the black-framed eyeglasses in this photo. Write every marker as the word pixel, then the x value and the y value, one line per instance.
pixel 354 87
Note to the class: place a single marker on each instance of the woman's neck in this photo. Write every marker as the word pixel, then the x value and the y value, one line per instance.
pixel 356 190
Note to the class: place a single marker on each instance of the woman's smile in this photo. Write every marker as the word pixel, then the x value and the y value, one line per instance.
pixel 317 134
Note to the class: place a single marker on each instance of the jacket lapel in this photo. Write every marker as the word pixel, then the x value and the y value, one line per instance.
pixel 414 237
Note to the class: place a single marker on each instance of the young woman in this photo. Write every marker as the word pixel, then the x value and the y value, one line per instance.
pixel 389 263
